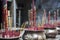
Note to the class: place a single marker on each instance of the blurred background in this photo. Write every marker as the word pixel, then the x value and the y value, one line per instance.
pixel 21 7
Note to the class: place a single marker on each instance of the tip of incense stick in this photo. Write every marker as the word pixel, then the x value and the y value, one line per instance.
pixel 49 12
pixel 54 12
pixel 31 10
pixel 35 7
pixel 44 10
pixel 57 10
pixel 28 10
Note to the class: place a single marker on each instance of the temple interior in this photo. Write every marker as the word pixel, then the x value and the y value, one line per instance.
pixel 29 19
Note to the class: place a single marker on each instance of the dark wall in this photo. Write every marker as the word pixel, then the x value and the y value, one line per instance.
pixel 24 5
pixel 24 14
pixel 0 13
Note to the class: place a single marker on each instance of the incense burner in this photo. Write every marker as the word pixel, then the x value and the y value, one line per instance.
pixel 11 34
pixel 58 29
pixel 34 35
pixel 50 31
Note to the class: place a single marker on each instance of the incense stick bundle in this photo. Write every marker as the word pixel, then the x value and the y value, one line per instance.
pixel 57 13
pixel 39 21
pixel 5 13
pixel 34 16
pixel 31 17
pixel 49 17
pixel 44 17
pixel 45 14
pixel 34 13
pixel 55 18
pixel 43 20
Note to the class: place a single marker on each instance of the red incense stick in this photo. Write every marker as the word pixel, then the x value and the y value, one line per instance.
pixel 5 14
pixel 34 14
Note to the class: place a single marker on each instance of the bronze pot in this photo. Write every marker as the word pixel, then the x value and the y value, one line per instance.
pixel 51 33
pixel 34 35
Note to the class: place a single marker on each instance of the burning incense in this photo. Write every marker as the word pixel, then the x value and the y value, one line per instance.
pixel 34 16
pixel 44 17
pixel 55 18
pixel 43 20
pixel 5 13
pixel 39 21
pixel 10 22
pixel 34 13
pixel 57 13
pixel 49 17
pixel 29 16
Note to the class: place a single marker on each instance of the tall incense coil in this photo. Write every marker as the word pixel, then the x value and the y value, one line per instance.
pixel 34 17
pixel 44 17
pixel 49 17
pixel 31 17
pixel 6 20
pixel 39 23
pixel 58 22
pixel 5 14
pixel 57 13
pixel 55 18
pixel 42 21
pixel 34 13
pixel 44 12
